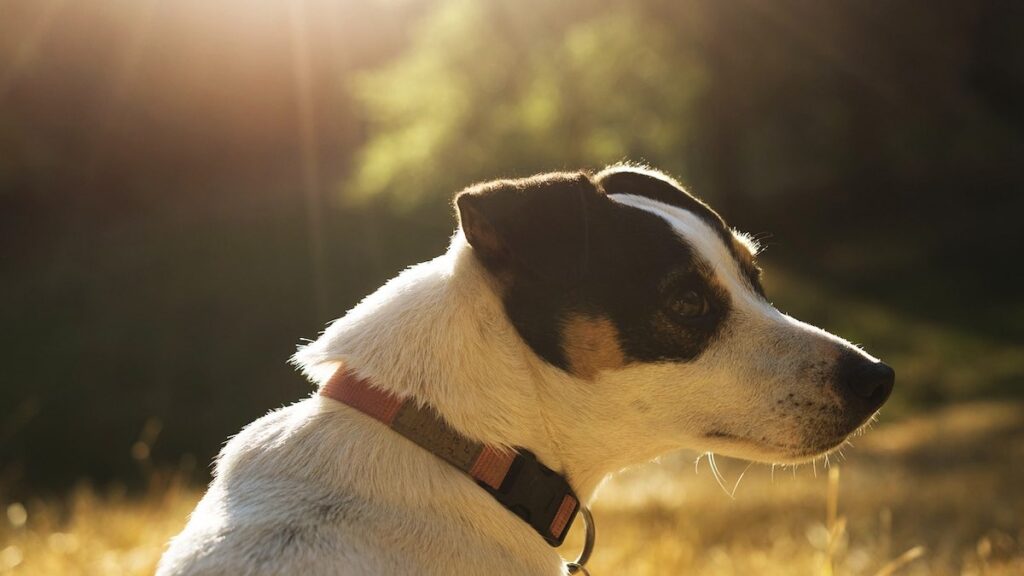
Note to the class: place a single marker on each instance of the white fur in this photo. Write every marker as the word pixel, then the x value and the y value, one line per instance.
pixel 318 488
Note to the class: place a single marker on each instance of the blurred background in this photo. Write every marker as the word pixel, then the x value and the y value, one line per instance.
pixel 189 189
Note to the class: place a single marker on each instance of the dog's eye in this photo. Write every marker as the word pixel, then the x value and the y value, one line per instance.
pixel 690 304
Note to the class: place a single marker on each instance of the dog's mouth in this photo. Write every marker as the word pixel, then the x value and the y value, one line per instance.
pixel 768 450
pixel 799 429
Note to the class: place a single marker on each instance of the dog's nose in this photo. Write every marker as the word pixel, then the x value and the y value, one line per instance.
pixel 869 382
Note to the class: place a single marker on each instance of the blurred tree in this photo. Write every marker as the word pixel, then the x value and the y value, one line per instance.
pixel 506 88
pixel 799 118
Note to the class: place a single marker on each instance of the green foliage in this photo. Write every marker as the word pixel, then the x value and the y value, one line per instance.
pixel 486 90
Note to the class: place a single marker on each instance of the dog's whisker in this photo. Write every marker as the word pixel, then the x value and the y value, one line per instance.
pixel 717 474
pixel 740 479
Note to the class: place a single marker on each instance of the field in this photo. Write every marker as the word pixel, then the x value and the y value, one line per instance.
pixel 938 494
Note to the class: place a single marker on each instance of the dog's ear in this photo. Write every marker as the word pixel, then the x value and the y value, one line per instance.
pixel 537 225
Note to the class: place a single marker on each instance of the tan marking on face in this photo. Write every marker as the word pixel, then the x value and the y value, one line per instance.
pixel 591 344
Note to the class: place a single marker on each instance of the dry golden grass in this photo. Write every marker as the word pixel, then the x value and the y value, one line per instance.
pixel 941 494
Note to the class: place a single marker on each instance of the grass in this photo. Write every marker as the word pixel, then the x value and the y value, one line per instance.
pixel 937 494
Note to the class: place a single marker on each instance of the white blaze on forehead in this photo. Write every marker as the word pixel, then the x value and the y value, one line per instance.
pixel 702 237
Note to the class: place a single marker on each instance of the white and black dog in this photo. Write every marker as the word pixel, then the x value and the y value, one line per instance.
pixel 578 324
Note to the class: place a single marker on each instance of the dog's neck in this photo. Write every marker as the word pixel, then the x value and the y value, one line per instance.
pixel 438 333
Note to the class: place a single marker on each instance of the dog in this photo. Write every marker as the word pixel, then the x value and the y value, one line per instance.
pixel 578 324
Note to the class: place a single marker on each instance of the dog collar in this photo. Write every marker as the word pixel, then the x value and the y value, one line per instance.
pixel 516 479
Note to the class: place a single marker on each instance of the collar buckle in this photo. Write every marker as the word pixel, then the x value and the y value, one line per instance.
pixel 538 495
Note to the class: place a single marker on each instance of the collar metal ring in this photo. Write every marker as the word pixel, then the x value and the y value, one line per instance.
pixel 578 567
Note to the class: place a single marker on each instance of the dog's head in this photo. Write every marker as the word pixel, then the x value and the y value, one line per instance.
pixel 625 280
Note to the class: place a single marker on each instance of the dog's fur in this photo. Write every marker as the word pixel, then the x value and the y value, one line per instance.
pixel 597 320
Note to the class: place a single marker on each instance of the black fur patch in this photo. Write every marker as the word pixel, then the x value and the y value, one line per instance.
pixel 560 248
pixel 626 181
